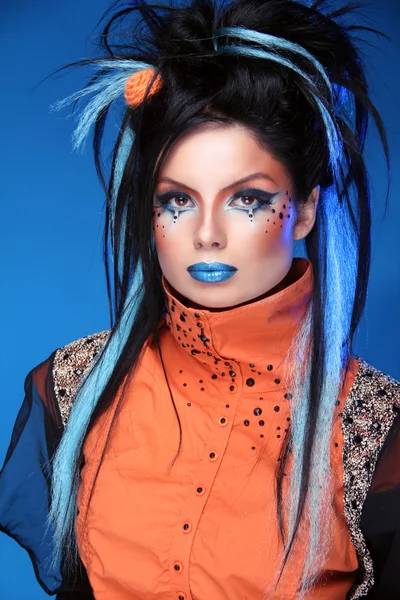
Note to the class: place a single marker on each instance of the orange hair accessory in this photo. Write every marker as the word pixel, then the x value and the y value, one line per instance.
pixel 137 84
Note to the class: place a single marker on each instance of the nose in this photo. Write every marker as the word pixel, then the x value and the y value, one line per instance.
pixel 210 232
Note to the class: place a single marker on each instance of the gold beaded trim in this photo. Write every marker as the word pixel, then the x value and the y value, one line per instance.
pixel 70 364
pixel 371 407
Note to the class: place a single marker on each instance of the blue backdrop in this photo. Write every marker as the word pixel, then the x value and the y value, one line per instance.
pixel 53 286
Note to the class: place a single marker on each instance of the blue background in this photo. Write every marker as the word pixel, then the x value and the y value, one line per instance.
pixel 52 280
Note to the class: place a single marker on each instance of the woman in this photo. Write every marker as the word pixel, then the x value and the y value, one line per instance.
pixel 221 440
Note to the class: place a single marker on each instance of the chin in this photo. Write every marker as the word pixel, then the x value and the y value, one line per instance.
pixel 217 300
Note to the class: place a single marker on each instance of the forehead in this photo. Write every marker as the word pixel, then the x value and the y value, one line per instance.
pixel 217 155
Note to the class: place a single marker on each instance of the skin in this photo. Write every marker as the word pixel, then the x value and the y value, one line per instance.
pixel 203 168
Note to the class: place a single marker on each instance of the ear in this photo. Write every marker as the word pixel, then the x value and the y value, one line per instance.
pixel 306 215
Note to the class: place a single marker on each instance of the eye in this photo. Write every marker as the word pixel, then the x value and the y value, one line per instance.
pixel 251 200
pixel 174 201
pixel 245 201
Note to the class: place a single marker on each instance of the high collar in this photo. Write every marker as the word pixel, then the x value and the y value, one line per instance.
pixel 256 335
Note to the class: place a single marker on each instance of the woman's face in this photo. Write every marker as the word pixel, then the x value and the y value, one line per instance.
pixel 225 218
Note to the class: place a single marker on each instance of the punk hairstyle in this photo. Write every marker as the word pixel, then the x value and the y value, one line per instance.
pixel 292 74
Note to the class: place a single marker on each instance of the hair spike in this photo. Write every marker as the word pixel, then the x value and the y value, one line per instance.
pixel 106 86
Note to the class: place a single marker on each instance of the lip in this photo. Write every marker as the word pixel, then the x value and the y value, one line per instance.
pixel 211 272
pixel 212 266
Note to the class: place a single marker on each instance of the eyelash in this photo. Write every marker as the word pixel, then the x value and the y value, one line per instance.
pixel 263 198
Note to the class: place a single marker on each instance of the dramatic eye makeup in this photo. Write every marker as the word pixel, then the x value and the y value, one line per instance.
pixel 248 200
pixel 174 200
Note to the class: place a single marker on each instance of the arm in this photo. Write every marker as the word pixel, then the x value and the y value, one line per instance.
pixel 381 519
pixel 25 481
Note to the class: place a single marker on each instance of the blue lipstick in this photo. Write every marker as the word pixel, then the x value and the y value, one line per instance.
pixel 211 272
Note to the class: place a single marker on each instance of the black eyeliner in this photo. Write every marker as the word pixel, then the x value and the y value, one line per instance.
pixel 257 193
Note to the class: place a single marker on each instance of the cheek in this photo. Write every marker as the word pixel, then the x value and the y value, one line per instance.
pixel 268 228
pixel 168 236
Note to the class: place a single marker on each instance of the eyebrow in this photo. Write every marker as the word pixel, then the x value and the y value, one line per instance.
pixel 225 189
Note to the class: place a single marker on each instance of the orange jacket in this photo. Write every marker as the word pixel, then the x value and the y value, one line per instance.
pixel 206 528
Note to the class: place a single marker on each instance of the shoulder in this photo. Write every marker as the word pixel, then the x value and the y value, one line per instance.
pixel 372 390
pixel 372 404
pixel 70 364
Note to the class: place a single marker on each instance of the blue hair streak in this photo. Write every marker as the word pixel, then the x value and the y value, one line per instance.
pixel 107 87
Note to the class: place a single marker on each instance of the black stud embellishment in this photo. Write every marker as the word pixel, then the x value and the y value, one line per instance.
pixel 277 381
pixel 269 368
pixel 288 396
pixel 276 408
pixel 250 382
pixel 247 422
pixel 232 373
pixel 195 352
pixel 261 422
pixel 257 412
pixel 214 376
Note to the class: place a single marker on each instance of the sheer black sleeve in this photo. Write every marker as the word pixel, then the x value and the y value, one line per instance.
pixel 25 483
pixel 380 521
